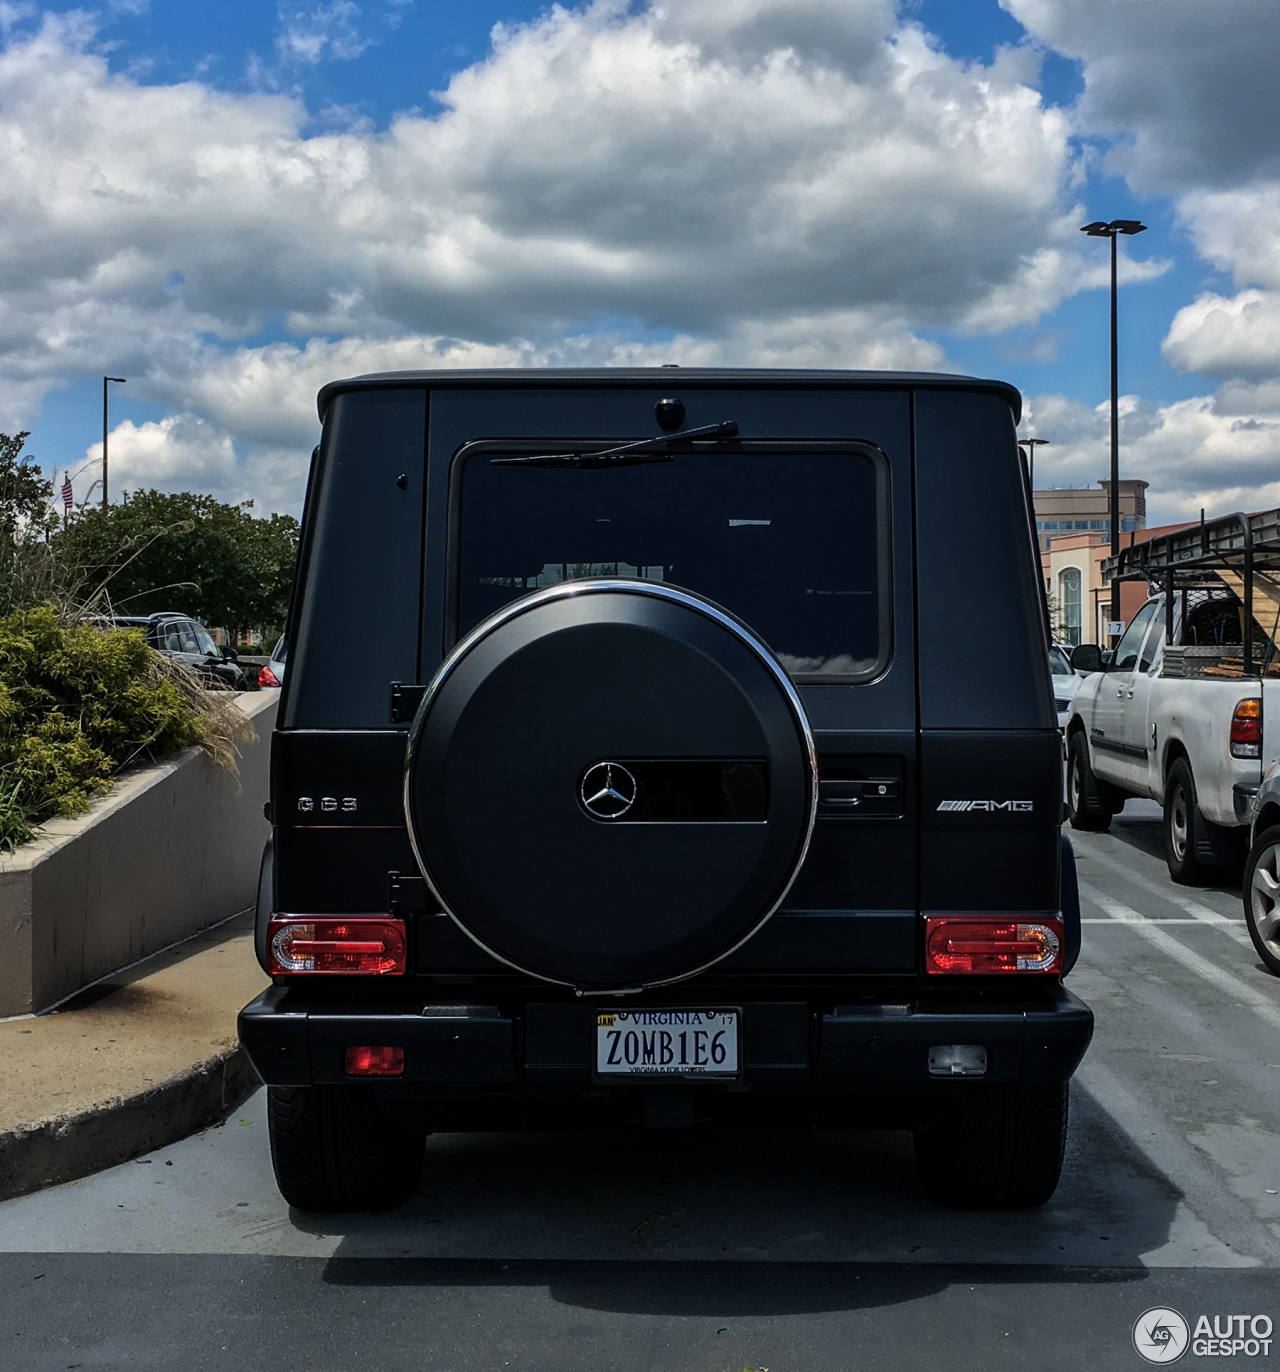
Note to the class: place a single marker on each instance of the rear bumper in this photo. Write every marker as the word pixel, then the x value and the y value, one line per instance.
pixel 456 1051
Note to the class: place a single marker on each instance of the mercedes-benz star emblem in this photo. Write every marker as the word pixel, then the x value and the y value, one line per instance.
pixel 608 790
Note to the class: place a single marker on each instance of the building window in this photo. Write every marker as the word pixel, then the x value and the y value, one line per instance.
pixel 1051 524
pixel 1082 523
pixel 1096 524
pixel 1069 602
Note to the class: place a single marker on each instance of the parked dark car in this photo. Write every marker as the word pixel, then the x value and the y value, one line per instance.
pixel 181 638
pixel 675 788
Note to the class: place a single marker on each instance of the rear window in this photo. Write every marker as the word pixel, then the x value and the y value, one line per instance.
pixel 793 542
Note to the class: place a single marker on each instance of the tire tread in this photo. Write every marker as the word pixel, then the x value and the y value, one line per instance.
pixel 1094 815
pixel 332 1148
pixel 1001 1147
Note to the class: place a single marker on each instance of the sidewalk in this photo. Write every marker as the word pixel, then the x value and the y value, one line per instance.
pixel 138 1061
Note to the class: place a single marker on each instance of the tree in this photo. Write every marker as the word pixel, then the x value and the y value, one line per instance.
pixel 25 521
pixel 188 553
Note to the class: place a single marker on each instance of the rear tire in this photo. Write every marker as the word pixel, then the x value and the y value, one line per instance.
pixel 1085 805
pixel 1262 897
pixel 1179 828
pixel 1000 1147
pixel 333 1148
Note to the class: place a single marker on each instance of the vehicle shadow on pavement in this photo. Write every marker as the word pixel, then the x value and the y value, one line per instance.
pixel 711 1289
pixel 1145 832
pixel 769 1222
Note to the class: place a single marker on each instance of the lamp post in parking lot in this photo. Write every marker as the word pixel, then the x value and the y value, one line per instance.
pixel 119 380
pixel 1030 444
pixel 1113 230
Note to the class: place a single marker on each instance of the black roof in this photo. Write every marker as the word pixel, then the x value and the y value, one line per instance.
pixel 442 378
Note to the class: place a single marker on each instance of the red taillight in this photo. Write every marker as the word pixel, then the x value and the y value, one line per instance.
pixel 356 947
pixel 374 1062
pixel 267 678
pixel 960 943
pixel 1246 729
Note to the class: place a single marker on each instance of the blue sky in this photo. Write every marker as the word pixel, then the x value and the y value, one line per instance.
pixel 567 199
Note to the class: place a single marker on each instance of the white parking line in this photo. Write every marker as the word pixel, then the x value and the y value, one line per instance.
pixel 1228 982
pixel 1151 919
pixel 1173 895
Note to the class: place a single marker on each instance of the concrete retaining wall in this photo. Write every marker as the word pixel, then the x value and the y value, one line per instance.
pixel 169 850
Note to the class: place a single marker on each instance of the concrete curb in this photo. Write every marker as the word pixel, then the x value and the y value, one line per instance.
pixel 65 1147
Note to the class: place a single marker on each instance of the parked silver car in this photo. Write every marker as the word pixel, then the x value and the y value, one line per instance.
pixel 1066 680
pixel 272 675
pixel 1261 886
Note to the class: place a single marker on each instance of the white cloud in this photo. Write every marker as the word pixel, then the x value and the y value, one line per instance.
pixel 1219 452
pixel 1219 336
pixel 1185 93
pixel 778 182
pixel 165 454
pixel 1186 87
pixel 309 33
pixel 266 395
pixel 1238 231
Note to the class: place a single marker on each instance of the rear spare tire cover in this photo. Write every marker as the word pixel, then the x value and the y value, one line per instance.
pixel 610 784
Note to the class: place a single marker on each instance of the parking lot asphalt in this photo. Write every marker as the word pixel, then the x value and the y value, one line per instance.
pixel 796 1250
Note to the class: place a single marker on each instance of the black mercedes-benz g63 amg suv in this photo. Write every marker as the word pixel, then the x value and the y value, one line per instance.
pixel 701 768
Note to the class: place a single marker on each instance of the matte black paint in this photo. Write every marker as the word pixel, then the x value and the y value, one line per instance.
pixel 497 757
pixel 962 711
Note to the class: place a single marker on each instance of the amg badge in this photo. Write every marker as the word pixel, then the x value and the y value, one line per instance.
pixel 1012 806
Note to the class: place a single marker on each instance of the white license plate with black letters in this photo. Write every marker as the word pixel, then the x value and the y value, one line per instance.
pixel 662 1043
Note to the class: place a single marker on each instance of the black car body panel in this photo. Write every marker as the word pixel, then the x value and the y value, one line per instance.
pixel 939 787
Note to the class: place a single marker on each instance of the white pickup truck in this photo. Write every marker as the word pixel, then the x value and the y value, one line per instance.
pixel 1180 726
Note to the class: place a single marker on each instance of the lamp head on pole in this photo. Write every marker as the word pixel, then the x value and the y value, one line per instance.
pixel 120 379
pixel 1101 229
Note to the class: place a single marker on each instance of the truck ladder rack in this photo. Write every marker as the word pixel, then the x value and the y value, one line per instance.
pixel 1243 550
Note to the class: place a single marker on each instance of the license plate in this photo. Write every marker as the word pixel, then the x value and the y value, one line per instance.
pixel 667 1043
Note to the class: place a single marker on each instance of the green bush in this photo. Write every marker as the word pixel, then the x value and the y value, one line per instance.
pixel 78 703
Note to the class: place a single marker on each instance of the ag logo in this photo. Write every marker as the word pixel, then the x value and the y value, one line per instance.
pixel 1161 1335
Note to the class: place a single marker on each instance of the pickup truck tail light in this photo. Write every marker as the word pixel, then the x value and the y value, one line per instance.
pixel 336 947
pixel 1246 729
pixel 991 944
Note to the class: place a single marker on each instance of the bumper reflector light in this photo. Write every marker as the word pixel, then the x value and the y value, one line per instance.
pixel 369 1061
pixel 958 1060
pixel 351 947
pixel 982 946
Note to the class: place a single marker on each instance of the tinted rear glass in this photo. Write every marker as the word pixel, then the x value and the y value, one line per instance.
pixel 791 542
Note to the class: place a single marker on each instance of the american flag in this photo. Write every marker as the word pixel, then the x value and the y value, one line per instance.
pixel 66 494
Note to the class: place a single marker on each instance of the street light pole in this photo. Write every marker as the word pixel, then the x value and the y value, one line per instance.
pixel 1100 229
pixel 105 429
pixel 1030 444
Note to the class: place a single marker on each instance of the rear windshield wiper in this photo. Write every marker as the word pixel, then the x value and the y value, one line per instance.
pixel 624 456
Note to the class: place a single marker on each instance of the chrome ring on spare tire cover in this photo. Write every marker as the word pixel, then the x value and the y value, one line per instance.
pixel 702 798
